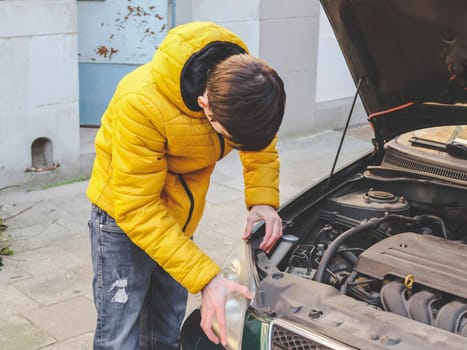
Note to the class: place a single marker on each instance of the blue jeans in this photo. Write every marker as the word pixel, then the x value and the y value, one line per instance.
pixel 139 305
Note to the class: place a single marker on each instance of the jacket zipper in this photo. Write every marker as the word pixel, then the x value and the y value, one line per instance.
pixel 222 142
pixel 190 197
pixel 187 189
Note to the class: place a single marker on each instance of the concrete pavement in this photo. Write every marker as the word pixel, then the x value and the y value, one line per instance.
pixel 45 287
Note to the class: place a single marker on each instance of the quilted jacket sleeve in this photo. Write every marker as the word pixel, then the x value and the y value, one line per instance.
pixel 139 173
pixel 261 176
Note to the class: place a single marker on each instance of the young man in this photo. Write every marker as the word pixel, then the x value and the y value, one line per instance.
pixel 168 123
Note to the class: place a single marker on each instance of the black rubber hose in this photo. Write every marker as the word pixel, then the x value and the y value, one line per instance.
pixel 350 279
pixel 334 246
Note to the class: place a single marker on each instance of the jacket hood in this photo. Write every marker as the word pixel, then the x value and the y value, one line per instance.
pixel 181 64
pixel 404 52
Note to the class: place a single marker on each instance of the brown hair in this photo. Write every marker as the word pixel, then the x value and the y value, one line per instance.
pixel 247 98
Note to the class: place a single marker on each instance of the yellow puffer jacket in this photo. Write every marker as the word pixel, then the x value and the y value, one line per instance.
pixel 155 152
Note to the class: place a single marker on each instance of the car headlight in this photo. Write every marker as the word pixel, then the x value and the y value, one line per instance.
pixel 237 267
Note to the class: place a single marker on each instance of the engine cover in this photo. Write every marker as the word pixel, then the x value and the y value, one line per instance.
pixel 432 261
pixel 363 205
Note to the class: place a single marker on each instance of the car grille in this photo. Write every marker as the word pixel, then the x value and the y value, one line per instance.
pixel 284 339
pixel 398 161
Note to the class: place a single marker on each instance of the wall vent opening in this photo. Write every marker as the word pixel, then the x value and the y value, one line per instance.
pixel 42 154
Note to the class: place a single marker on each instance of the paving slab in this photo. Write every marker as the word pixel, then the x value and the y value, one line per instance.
pixel 14 302
pixel 38 236
pixel 228 219
pixel 79 245
pixel 17 333
pixel 67 319
pixel 83 342
pixel 219 194
pixel 216 245
pixel 10 273
pixel 44 260
pixel 57 286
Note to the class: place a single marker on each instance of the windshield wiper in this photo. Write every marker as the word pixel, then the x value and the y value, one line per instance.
pixel 453 148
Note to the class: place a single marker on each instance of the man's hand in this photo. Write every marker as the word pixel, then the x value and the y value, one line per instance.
pixel 272 221
pixel 213 299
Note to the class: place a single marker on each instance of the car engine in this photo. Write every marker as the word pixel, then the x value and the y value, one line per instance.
pixel 397 245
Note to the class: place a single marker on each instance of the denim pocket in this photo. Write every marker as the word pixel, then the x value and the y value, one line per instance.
pixel 110 228
pixel 107 224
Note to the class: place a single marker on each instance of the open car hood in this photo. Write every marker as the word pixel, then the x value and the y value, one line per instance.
pixel 411 58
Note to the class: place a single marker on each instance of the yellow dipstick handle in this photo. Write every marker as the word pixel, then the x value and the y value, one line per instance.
pixel 409 281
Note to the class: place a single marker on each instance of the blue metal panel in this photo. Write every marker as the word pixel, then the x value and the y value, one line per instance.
pixel 97 85
pixel 114 37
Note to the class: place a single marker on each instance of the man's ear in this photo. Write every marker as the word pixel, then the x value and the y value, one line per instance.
pixel 203 102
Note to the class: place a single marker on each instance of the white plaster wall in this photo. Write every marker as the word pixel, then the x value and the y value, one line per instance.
pixel 289 41
pixel 241 17
pixel 334 79
pixel 335 88
pixel 38 87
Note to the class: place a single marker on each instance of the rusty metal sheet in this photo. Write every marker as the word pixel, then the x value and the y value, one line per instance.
pixel 123 32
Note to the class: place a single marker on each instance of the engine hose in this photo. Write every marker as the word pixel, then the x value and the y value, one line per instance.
pixel 370 224
pixel 350 279
pixel 440 221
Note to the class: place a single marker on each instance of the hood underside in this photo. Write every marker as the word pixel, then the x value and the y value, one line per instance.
pixel 404 52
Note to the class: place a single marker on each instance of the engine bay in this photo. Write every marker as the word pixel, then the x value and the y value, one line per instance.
pixel 398 245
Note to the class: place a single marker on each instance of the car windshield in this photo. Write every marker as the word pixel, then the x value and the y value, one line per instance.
pixel 438 140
